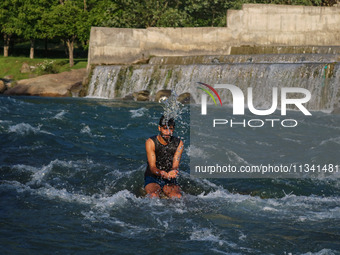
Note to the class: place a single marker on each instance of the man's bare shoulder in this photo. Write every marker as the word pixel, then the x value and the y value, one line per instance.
pixel 149 143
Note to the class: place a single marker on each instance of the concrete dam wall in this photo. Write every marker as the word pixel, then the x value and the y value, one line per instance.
pixel 148 61
pixel 257 27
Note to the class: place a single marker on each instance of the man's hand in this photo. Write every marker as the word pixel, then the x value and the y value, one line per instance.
pixel 170 175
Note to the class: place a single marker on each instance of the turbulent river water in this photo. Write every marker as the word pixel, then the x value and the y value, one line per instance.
pixel 71 182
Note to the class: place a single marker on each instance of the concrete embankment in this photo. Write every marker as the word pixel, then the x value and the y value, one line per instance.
pixel 255 29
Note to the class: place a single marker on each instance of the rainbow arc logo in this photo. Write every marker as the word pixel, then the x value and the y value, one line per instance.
pixel 209 93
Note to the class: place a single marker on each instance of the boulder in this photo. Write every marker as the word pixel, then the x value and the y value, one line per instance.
pixel 184 98
pixel 143 95
pixel 49 85
pixel 25 68
pixel 10 84
pixel 135 94
pixel 144 92
pixel 76 88
pixel 2 86
pixel 162 95
pixel 336 110
pixel 129 97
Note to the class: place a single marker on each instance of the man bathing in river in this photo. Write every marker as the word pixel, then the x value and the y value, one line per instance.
pixel 164 153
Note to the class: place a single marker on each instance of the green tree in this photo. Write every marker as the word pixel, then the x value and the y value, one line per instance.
pixel 29 14
pixel 210 12
pixel 92 15
pixel 63 20
pixel 8 21
pixel 145 13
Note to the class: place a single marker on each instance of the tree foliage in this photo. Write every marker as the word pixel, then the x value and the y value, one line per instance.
pixel 8 21
pixel 71 20
pixel 167 13
pixel 145 13
pixel 9 10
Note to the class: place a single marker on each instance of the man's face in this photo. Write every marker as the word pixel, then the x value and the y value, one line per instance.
pixel 166 131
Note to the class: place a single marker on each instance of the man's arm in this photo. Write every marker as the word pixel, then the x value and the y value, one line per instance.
pixel 176 160
pixel 177 156
pixel 151 155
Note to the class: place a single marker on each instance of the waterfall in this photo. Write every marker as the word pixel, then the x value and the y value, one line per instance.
pixel 319 73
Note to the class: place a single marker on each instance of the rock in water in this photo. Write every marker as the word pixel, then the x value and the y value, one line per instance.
pixel 129 97
pixel 184 98
pixel 336 111
pixel 143 95
pixel 164 93
pixel 50 85
pixel 2 86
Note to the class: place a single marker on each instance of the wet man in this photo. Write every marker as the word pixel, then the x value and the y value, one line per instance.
pixel 164 153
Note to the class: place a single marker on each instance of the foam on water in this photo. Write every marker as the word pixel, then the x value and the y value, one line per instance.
pixel 261 143
pixel 266 208
pixel 49 192
pixel 60 115
pixel 86 130
pixel 119 128
pixel 323 252
pixel 41 173
pixel 23 129
pixel 4 109
pixel 26 129
pixel 205 235
pixel 98 201
pixel 208 235
pixel 193 151
pixel 117 199
pixel 25 168
pixel 13 101
pixel 233 157
pixel 291 207
pixel 331 140
pixel 293 140
pixel 62 194
pixel 5 122
pixel 138 113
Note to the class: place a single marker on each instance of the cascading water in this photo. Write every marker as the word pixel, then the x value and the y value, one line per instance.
pixel 319 73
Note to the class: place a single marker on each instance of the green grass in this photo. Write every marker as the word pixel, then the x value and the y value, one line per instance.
pixel 10 66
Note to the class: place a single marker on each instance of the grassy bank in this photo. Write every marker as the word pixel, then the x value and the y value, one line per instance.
pixel 11 66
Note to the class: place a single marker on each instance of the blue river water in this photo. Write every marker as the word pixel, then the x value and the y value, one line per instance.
pixel 71 182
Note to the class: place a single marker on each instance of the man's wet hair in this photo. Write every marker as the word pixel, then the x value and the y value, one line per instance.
pixel 166 122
